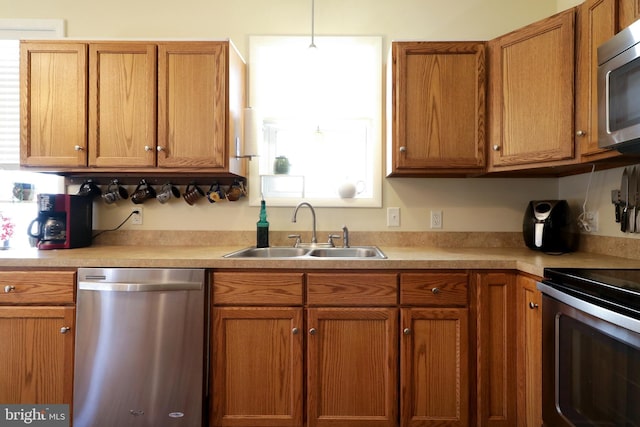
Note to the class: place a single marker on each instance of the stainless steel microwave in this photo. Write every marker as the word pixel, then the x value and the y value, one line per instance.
pixel 619 91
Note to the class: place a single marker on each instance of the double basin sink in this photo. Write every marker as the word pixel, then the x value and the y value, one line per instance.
pixel 354 252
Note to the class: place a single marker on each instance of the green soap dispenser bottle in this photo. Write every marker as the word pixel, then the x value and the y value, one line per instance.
pixel 262 227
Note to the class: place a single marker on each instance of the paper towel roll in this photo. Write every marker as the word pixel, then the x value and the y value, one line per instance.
pixel 251 132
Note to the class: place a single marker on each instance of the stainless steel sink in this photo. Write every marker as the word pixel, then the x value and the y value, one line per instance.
pixel 274 252
pixel 354 252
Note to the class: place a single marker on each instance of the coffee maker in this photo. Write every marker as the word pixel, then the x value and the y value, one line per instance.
pixel 64 221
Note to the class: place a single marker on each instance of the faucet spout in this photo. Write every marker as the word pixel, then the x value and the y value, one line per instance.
pixel 313 214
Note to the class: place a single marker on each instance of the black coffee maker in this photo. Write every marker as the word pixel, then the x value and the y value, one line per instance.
pixel 64 221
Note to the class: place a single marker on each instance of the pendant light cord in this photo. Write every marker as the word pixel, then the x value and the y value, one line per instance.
pixel 313 9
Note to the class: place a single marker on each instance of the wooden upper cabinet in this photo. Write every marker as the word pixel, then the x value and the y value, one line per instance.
pixel 437 108
pixel 122 104
pixel 132 106
pixel 53 105
pixel 192 94
pixel 628 13
pixel 531 92
pixel 595 24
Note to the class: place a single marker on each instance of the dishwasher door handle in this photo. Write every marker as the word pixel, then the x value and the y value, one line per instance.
pixel 138 287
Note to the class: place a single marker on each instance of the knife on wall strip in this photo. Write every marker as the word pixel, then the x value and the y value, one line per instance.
pixel 632 200
pixel 624 198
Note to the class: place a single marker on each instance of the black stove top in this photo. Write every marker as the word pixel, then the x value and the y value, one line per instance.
pixel 616 289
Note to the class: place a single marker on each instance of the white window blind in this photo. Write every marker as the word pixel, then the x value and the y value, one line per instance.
pixel 11 31
pixel 9 102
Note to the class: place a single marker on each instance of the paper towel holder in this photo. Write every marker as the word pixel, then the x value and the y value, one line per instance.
pixel 250 136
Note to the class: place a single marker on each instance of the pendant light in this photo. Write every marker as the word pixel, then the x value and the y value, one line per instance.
pixel 313 8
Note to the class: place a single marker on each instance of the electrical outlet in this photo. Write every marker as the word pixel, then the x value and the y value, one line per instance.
pixel 591 217
pixel 393 217
pixel 136 218
pixel 436 219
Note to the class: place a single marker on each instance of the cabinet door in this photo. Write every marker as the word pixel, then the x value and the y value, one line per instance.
pixel 596 23
pixel 629 12
pixel 36 354
pixel 122 104
pixel 434 367
pixel 437 107
pixel 352 367
pixel 53 104
pixel 531 93
pixel 496 352
pixel 257 367
pixel 192 103
pixel 529 352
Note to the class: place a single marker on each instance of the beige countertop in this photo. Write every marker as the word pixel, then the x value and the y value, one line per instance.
pixel 521 259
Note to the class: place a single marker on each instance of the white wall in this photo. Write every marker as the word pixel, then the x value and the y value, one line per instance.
pixel 467 204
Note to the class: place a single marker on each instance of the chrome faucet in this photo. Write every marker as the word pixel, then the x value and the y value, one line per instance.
pixel 313 213
pixel 345 236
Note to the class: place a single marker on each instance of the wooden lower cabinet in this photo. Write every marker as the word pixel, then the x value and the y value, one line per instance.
pixel 435 367
pixel 529 351
pixel 36 336
pixel 352 367
pixel 386 349
pixel 496 349
pixel 257 366
pixel 434 349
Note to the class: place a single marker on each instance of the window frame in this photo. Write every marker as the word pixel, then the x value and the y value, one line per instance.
pixel 255 179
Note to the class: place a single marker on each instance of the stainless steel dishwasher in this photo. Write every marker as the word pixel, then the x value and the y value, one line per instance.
pixel 140 341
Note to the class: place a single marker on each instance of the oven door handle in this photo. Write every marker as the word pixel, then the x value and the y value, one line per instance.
pixel 590 308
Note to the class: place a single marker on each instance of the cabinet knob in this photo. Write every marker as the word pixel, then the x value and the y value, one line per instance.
pixel 403 149
pixel 64 329
pixel 496 147
pixel 406 331
pixel 78 148
pixel 532 305
pixel 9 288
pixel 435 291
pixel 295 331
pixel 581 133
pixel 160 148
pixel 147 148
pixel 312 331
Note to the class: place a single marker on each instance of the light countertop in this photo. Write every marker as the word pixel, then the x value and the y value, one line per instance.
pixel 398 258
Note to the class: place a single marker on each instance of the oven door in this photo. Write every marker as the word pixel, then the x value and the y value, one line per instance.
pixel 591 364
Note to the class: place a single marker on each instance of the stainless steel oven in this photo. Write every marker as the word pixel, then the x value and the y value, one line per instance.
pixel 591 347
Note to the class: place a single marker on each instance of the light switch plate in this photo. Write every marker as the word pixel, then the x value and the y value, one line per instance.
pixel 393 217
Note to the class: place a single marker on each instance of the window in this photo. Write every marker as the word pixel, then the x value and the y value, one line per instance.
pixel 320 116
pixel 20 212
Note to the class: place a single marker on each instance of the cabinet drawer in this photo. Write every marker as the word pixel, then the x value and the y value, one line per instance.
pixel 366 289
pixel 434 289
pixel 243 288
pixel 37 287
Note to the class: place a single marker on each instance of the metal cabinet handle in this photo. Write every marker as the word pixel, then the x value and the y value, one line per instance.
pixel 581 133
pixel 9 288
pixel 147 148
pixel 496 147
pixel 78 148
pixel 406 331
pixel 64 329
pixel 295 331
pixel 532 305
pixel 313 331
pixel 435 291
pixel 160 148
pixel 403 149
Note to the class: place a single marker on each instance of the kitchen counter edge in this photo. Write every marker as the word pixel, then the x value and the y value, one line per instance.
pixel 398 258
